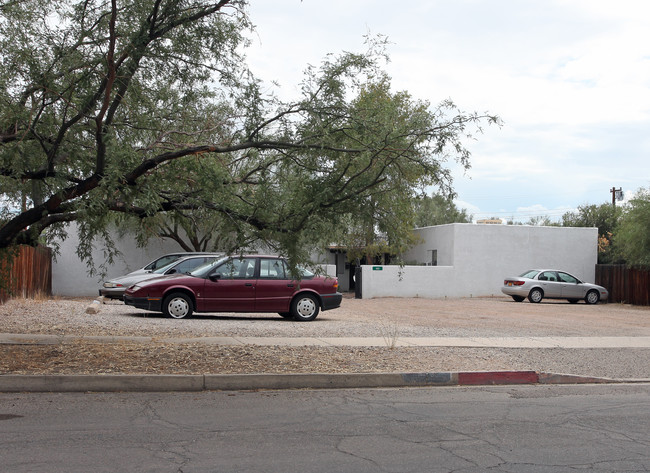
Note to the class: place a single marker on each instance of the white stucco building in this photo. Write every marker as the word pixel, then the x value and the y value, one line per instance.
pixel 466 260
pixel 71 278
pixel 455 260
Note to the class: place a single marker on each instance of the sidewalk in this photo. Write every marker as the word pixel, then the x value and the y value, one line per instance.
pixel 462 342
pixel 205 382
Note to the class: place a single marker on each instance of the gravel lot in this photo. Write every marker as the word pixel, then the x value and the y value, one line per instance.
pixel 389 318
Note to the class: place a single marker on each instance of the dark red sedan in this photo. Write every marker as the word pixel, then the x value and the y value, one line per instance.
pixel 238 284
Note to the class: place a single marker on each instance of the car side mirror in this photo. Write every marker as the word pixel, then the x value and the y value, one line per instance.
pixel 214 277
pixel 171 271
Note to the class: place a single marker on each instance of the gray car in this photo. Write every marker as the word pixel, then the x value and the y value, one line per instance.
pixel 114 288
pixel 537 284
pixel 168 259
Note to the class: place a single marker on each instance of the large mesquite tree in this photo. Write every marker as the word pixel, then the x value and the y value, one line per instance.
pixel 114 112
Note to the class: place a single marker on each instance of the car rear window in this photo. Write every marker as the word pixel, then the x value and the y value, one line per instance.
pixel 530 274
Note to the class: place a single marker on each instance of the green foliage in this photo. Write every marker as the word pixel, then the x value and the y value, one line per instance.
pixel 143 115
pixel 541 221
pixel 605 217
pixel 632 238
pixel 438 210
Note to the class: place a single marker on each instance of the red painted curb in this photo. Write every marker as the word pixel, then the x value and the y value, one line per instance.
pixel 497 377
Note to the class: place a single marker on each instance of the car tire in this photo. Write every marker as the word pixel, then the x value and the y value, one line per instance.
pixel 573 301
pixel 304 308
pixel 536 295
pixel 518 298
pixel 592 297
pixel 177 306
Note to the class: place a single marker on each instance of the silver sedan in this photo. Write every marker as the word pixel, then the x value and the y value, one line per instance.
pixel 537 284
pixel 115 288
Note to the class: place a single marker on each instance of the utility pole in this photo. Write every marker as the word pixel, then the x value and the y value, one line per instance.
pixel 615 192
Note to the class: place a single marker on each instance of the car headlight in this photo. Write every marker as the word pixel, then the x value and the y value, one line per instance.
pixel 111 284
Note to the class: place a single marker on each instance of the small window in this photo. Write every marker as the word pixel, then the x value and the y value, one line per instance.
pixel 548 276
pixel 565 277
pixel 237 269
pixel 272 269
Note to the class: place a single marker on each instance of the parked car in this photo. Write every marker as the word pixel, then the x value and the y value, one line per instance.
pixel 238 284
pixel 165 260
pixel 114 288
pixel 537 284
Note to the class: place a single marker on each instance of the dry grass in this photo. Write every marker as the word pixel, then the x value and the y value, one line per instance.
pixel 388 318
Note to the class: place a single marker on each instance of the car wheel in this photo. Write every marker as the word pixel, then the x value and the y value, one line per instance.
pixel 536 295
pixel 177 306
pixel 304 308
pixel 592 297
pixel 518 298
pixel 573 301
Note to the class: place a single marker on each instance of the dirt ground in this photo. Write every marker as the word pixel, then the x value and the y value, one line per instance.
pixel 389 318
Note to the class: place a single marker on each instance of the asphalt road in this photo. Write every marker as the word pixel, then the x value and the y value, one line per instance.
pixel 503 429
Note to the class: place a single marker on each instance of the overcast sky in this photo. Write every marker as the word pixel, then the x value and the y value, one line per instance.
pixel 569 78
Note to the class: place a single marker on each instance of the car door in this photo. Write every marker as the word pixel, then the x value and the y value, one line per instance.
pixel 230 287
pixel 274 288
pixel 550 284
pixel 571 287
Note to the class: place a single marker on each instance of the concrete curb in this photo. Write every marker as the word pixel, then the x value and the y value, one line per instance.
pixel 246 382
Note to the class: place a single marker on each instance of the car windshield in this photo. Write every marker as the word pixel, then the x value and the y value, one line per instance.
pixel 165 268
pixel 203 270
pixel 162 262
pixel 530 274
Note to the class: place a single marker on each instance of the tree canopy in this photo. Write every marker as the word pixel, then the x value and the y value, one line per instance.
pixel 438 209
pixel 114 112
pixel 632 238
pixel 605 217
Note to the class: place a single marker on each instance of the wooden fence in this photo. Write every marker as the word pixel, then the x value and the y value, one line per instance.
pixel 625 284
pixel 27 274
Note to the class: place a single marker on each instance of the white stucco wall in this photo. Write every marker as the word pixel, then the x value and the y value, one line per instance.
pixel 70 275
pixel 409 281
pixel 474 259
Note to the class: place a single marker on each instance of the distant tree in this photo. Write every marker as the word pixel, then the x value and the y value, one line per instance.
pixel 541 221
pixel 632 237
pixel 192 230
pixel 438 209
pixel 605 217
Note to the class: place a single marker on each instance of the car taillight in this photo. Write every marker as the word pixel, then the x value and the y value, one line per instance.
pixel 336 286
pixel 507 282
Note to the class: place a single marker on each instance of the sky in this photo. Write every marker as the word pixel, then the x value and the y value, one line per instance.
pixel 570 79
